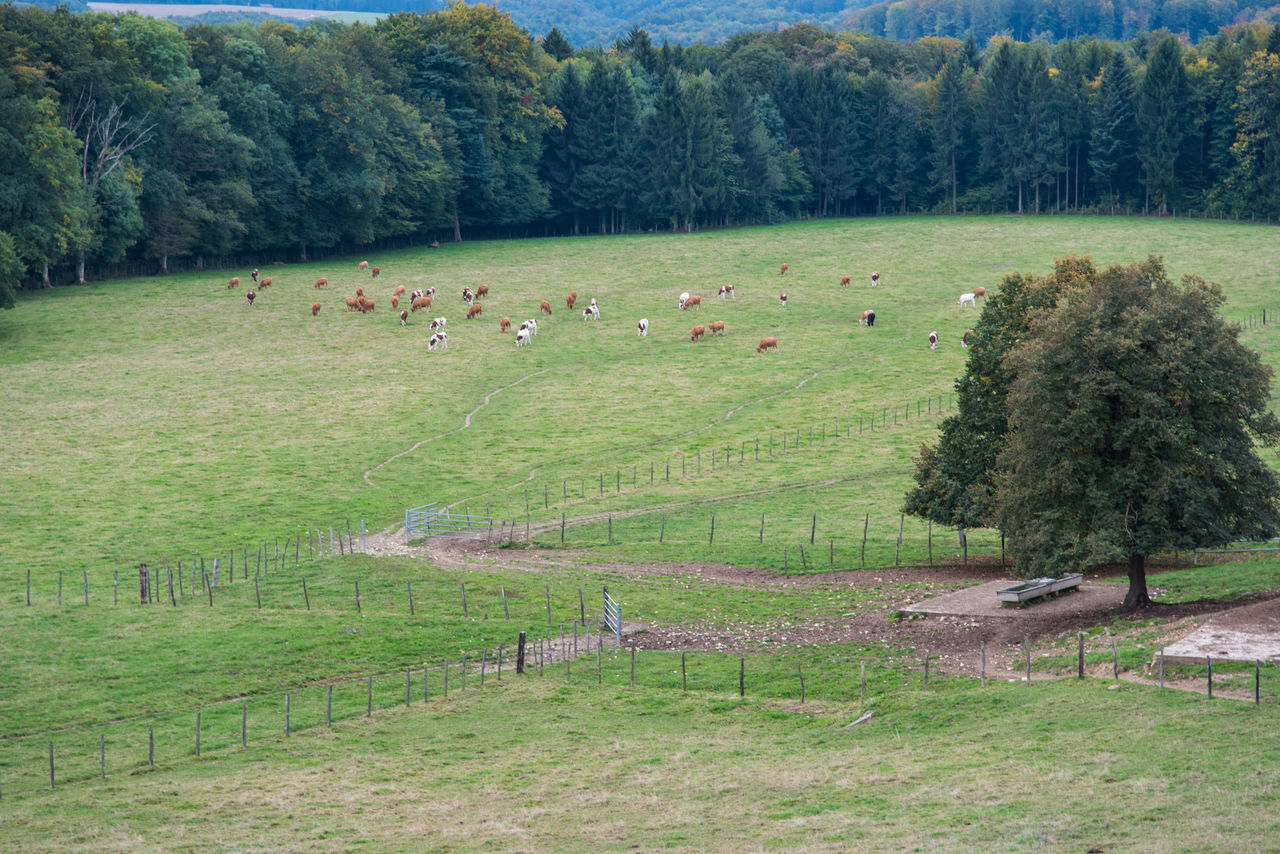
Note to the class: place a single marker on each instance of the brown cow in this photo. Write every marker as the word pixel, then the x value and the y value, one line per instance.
pixel 352 304
pixel 482 291
pixel 404 317
pixel 362 266
pixel 399 291
pixel 844 281
pixel 571 299
pixel 783 271
pixel 376 271
pixel 474 311
pixel 691 302
pixel 421 302
pixel 979 292
pixel 545 306
pixel 315 309
pixel 265 283
pixel 766 343
pixel 504 324
pixel 395 302
pixel 717 327
pixel 320 283
pixel 964 339
pixel 235 281
pixel 697 332
pixel 367 305
pixel 359 292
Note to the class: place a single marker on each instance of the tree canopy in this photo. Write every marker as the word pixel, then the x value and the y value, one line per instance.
pixel 1105 416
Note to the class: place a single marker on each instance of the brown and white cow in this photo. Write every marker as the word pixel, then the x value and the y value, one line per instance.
pixel 964 339
pixel 404 317
pixel 782 299
pixel 868 318
pixel 933 340
pixel 726 291
pixel 362 266
pixel 642 328
pixel 468 294
pixel 875 280
pixel 250 296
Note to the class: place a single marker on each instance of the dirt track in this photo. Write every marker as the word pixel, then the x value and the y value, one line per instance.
pixel 952 639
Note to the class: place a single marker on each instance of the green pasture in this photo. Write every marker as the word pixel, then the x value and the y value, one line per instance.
pixel 158 418
pixel 166 421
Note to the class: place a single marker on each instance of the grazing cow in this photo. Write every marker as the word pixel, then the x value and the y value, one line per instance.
pixel 352 304
pixel 783 271
pixel 697 333
pixel 782 298
pixel 266 282
pixel 438 323
pixel 523 336
pixel 642 328
pixel 591 312
pixel 694 301
pixel 395 302
pixel 235 281
pixel 250 296
pixel 875 280
pixel 404 317
pixel 376 271
pixel 254 274
pixel 315 309
pixel 440 339
pixel 571 299
pixel 968 298
pixel 868 318
pixel 725 291
pixel 766 343
pixel 435 244
pixel 420 302
pixel 468 295
pixel 844 281
pixel 399 291
pixel 593 302
pixel 684 296
pixel 531 325
pixel 430 292
pixel 504 324
pixel 717 327
pixel 367 305
pixel 418 294
pixel 359 292
pixel 933 340
pixel 979 293
pixel 482 291
pixel 362 266
pixel 474 311
pixel 545 307
pixel 964 339
pixel 320 283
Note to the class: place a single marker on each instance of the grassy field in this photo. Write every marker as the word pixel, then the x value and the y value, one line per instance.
pixel 167 421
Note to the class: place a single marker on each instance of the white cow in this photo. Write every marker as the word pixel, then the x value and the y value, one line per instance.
pixel 726 291
pixel 438 323
pixel 523 336
pixel 591 312
pixel 782 298
pixel 531 325
pixel 439 340
pixel 684 297
pixel 643 327
pixel 875 279
pixel 968 298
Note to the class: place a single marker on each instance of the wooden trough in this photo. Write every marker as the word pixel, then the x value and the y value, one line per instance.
pixel 1035 588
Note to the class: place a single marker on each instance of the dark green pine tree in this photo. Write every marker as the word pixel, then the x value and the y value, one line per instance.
pixel 818 108
pixel 606 144
pixel 1113 137
pixel 561 165
pixel 556 45
pixel 663 159
pixel 1162 121
pixel 879 135
pixel 999 124
pixel 1040 148
pixel 949 128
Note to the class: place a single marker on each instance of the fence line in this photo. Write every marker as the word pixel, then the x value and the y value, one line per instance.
pixel 29 761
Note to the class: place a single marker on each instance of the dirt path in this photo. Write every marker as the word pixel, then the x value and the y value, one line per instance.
pixel 953 641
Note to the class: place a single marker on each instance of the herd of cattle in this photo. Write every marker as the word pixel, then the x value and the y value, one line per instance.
pixel 439 340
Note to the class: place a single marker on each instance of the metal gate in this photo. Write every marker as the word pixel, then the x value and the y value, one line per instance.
pixel 430 520
pixel 613 616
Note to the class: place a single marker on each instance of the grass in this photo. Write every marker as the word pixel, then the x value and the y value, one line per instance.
pixel 165 421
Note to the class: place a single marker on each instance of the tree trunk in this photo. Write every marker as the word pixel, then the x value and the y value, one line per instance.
pixel 457 227
pixel 80 267
pixel 1137 596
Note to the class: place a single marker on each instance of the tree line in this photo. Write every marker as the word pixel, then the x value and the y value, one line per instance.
pixel 129 144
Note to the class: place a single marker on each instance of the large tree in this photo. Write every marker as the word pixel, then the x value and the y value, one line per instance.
pixel 1134 419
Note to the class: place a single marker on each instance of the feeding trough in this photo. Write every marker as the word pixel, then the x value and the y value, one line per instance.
pixel 1034 588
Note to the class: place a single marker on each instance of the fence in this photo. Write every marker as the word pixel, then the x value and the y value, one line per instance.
pixel 430 520
pixel 43 761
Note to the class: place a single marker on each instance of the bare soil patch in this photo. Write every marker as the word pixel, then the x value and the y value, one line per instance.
pixel 949 626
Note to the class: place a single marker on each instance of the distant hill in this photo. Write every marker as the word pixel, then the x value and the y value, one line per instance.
pixel 600 22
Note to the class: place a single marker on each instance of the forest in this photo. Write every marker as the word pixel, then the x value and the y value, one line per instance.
pixel 132 146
